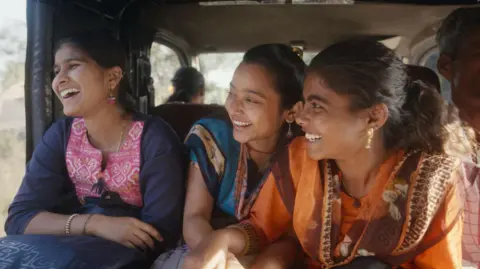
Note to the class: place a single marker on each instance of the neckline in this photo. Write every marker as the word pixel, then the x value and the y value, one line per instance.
pixel 384 173
pixel 125 137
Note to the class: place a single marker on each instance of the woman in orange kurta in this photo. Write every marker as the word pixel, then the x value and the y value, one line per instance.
pixel 371 183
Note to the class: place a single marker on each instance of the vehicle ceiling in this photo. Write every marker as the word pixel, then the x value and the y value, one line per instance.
pixel 237 25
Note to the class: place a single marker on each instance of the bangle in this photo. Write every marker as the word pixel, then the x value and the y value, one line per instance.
pixel 251 238
pixel 69 223
pixel 85 224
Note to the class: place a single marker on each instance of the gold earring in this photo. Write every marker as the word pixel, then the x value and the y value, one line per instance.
pixel 369 138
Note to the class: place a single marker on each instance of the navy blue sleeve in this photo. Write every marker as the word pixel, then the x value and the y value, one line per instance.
pixel 162 178
pixel 45 182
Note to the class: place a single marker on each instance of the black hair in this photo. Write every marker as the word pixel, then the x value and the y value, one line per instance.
pixel 456 27
pixel 187 82
pixel 370 73
pixel 287 68
pixel 107 52
pixel 425 75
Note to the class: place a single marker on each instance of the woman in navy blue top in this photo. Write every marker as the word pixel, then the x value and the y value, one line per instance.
pixel 104 188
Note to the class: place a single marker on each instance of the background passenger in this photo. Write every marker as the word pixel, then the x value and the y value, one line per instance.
pixel 459 42
pixel 188 86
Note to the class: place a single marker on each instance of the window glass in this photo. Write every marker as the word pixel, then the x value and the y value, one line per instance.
pixel 218 69
pixel 13 42
pixel 165 63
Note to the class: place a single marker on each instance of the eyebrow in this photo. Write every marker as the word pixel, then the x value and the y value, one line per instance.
pixel 78 59
pixel 259 94
pixel 315 97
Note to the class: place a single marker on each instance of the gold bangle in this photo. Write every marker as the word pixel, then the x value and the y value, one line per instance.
pixel 69 223
pixel 251 238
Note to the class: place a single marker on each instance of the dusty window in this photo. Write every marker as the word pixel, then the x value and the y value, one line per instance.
pixel 13 41
pixel 165 62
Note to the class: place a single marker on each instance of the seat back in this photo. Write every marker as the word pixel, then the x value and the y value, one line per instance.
pixel 182 116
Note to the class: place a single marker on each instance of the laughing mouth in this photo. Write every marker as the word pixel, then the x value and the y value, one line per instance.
pixel 68 93
pixel 241 123
pixel 313 137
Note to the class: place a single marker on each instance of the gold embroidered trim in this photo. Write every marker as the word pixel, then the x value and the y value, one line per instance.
pixel 214 154
pixel 428 190
pixel 325 237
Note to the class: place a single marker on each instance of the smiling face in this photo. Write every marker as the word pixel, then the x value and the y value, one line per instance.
pixel 253 104
pixel 80 83
pixel 332 130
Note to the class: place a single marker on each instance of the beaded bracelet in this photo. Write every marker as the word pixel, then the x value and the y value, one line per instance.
pixel 69 223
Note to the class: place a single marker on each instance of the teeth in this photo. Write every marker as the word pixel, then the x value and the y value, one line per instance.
pixel 65 92
pixel 241 123
pixel 312 137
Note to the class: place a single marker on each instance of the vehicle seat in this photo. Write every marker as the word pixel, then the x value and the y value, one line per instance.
pixel 182 116
pixel 424 74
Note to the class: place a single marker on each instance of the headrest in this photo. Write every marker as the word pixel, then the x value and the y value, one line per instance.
pixel 182 116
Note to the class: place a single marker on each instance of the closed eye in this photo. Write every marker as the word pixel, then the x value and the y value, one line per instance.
pixel 72 66
pixel 317 107
pixel 250 100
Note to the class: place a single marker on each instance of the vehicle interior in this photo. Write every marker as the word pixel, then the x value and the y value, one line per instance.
pixel 192 28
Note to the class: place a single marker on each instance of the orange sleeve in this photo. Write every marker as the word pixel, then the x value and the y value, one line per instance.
pixel 269 216
pixel 447 225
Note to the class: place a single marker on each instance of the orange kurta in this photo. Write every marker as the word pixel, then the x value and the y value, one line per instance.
pixel 411 217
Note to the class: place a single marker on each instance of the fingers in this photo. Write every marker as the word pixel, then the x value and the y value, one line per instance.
pixel 221 264
pixel 218 261
pixel 149 230
pixel 128 244
pixel 145 238
pixel 137 242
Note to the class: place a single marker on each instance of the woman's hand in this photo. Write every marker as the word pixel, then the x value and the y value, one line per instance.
pixel 126 231
pixel 211 253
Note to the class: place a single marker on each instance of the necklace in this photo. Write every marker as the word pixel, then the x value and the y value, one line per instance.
pixel 119 145
pixel 121 138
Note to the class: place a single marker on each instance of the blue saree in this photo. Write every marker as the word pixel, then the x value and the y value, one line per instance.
pixel 232 179
pixel 225 166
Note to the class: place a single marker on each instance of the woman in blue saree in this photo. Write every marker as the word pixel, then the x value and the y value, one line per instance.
pixel 104 188
pixel 231 155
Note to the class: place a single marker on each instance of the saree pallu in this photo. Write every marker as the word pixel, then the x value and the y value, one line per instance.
pixel 410 218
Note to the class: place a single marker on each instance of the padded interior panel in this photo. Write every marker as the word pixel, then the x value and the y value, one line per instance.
pixel 182 116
